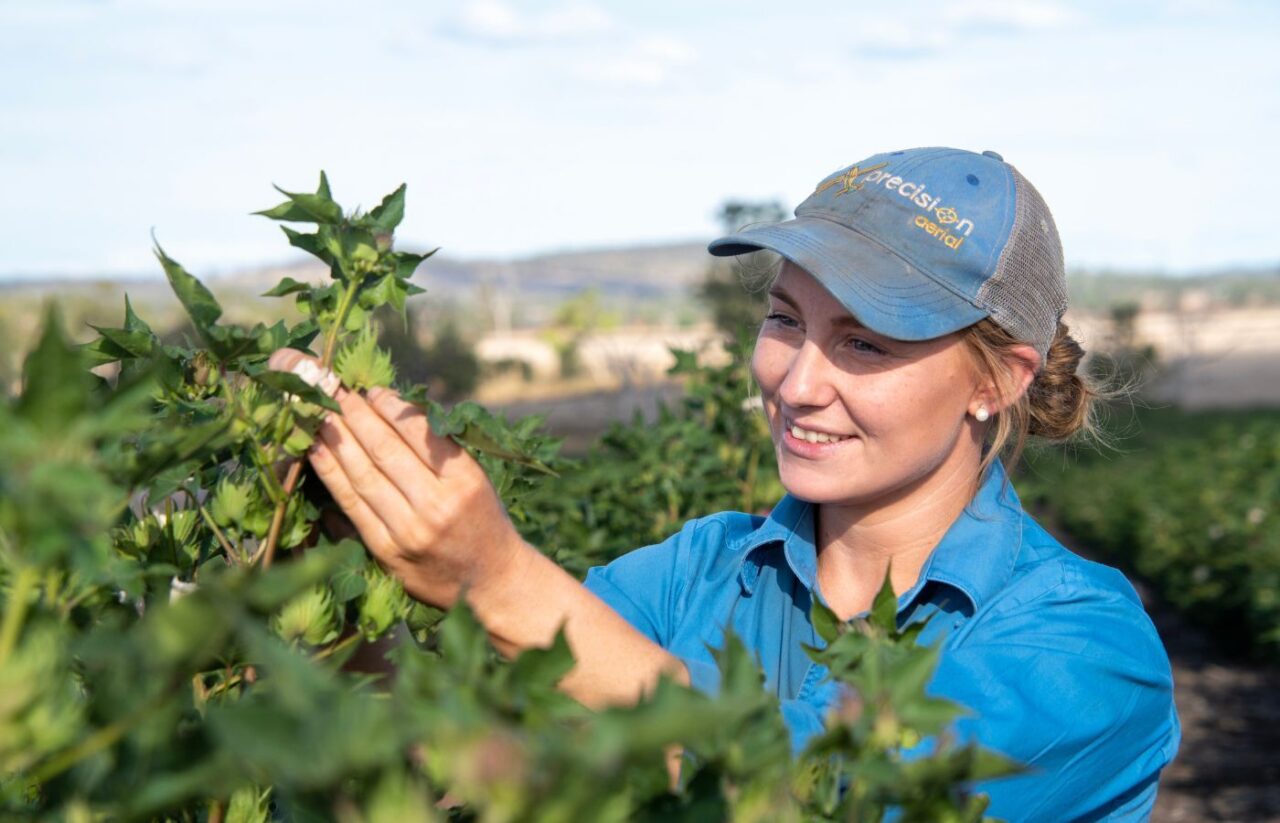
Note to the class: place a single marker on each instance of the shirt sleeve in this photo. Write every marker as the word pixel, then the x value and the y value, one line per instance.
pixel 1076 685
pixel 646 587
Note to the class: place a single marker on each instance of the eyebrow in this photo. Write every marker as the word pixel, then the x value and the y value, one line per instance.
pixel 847 321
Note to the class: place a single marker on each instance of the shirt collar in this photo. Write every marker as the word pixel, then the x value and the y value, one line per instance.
pixel 976 555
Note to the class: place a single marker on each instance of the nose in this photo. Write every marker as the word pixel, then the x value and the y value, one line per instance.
pixel 809 379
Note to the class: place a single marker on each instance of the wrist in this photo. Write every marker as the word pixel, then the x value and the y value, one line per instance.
pixel 501 596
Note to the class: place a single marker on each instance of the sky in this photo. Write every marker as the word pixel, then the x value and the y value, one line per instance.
pixel 524 126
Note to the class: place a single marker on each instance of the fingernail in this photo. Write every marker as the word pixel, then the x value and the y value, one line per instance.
pixel 376 393
pixel 313 375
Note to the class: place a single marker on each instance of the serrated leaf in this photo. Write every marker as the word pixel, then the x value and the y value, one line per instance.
pixel 312 244
pixel 132 322
pixel 472 425
pixel 407 263
pixel 304 207
pixel 884 609
pixel 362 365
pixel 287 285
pixel 56 385
pixel 129 343
pixel 388 214
pixel 201 306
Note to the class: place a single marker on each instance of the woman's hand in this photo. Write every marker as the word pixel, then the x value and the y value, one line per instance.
pixel 429 514
pixel 423 506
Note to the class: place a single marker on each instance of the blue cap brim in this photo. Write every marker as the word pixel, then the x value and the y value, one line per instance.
pixel 882 290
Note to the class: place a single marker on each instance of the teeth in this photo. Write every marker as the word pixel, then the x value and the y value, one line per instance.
pixel 815 437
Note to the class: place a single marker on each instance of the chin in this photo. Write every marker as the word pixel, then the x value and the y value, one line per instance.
pixel 820 487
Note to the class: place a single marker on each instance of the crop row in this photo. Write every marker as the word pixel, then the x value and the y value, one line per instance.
pixel 1187 502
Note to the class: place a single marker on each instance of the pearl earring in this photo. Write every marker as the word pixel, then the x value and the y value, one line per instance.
pixel 981 415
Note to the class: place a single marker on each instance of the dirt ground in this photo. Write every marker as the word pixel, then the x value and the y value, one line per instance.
pixel 1228 767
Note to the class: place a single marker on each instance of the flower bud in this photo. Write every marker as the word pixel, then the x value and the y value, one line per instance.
pixel 310 617
pixel 383 603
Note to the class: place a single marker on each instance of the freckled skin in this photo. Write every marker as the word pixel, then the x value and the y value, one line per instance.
pixel 904 403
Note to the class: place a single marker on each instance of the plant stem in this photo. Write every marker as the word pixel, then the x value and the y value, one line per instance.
pixel 277 519
pixel 344 308
pixel 267 474
pixel 15 611
pixel 232 556
pixel 337 647
pixel 295 468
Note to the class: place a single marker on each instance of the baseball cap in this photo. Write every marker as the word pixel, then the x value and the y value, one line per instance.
pixel 923 242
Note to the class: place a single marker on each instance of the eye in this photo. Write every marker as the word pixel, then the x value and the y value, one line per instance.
pixel 864 346
pixel 781 319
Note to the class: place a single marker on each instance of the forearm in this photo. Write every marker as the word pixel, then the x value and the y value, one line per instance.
pixel 534 597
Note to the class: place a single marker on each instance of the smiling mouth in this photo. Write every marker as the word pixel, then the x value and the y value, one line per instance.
pixel 810 436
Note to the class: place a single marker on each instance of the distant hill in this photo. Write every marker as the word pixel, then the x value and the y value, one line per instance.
pixel 641 271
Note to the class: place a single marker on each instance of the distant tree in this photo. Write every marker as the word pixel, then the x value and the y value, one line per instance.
pixel 736 309
pixel 738 214
pixel 447 364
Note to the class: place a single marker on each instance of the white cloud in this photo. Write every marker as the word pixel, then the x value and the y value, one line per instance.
pixel 894 39
pixel 649 62
pixel 495 22
pixel 921 35
pixel 1010 15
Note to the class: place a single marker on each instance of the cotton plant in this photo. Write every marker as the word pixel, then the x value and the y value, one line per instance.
pixel 181 635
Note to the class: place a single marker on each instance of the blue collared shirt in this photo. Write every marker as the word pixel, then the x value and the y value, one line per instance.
pixel 1054 654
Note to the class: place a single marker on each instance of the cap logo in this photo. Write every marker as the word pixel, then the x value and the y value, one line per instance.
pixel 848 179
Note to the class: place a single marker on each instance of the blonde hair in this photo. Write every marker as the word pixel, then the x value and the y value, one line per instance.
pixel 1059 405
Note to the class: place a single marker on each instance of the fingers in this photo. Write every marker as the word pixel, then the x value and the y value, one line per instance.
pixel 286 359
pixel 411 423
pixel 371 528
pixel 386 450
pixel 367 493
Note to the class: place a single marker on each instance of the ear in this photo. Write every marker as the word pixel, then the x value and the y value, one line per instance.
pixel 1020 365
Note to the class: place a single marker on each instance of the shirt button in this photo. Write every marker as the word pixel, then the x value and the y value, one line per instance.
pixel 992 154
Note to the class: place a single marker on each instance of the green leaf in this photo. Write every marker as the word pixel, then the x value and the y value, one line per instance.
pixel 407 263
pixel 544 667
pixel 133 323
pixel 301 335
pixel 884 609
pixel 305 208
pixel 287 285
pixel 56 384
pixel 825 622
pixel 472 425
pixel 322 190
pixel 199 302
pixel 388 214
pixel 361 364
pixel 290 383
pixel 128 343
pixel 313 244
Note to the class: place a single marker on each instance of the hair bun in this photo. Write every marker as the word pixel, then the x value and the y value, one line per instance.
pixel 1059 398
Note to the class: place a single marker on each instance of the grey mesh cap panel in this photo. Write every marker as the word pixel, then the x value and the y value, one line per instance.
pixel 1027 293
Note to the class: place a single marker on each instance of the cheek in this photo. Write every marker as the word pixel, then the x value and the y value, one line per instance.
pixel 769 365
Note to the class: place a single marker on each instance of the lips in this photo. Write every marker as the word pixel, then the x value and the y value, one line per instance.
pixel 813 435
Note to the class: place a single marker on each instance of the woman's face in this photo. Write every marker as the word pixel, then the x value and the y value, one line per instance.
pixel 887 415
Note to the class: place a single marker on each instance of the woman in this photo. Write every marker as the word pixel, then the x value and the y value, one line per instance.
pixel 913 334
